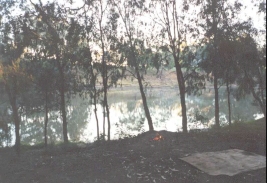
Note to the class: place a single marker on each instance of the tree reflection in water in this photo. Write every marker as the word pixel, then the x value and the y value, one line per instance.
pixel 128 119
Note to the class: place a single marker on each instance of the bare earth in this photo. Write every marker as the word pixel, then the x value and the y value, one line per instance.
pixel 137 159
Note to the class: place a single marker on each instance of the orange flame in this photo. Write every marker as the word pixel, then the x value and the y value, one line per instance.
pixel 158 137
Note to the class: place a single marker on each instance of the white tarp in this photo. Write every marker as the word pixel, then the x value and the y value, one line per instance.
pixel 229 162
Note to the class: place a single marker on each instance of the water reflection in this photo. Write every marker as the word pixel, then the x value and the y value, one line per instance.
pixel 32 125
pixel 128 118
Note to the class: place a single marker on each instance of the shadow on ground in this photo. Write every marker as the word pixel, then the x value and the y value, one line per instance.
pixel 137 159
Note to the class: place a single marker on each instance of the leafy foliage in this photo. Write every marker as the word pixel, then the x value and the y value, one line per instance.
pixel 50 52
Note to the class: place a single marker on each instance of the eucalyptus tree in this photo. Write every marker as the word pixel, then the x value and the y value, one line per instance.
pixel 130 13
pixel 227 51
pixel 170 18
pixel 252 65
pixel 15 37
pixel 100 55
pixel 90 81
pixel 89 68
pixel 211 11
pixel 45 77
pixel 227 67
pixel 104 31
pixel 41 67
pixel 217 19
pixel 62 36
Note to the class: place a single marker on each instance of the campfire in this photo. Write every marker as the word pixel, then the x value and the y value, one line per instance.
pixel 158 137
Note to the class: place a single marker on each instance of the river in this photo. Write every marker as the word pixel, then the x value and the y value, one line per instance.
pixel 128 118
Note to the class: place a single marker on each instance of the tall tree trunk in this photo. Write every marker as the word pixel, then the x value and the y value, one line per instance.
pixel 63 112
pixel 12 95
pixel 262 88
pixel 56 39
pixel 104 122
pixel 104 77
pixel 17 126
pixel 217 109
pixel 174 38
pixel 106 97
pixel 97 123
pixel 107 109
pixel 141 88
pixel 46 118
pixel 104 74
pixel 62 101
pixel 181 84
pixel 105 94
pixel 256 97
pixel 95 110
pixel 215 64
pixel 260 102
pixel 105 102
pixel 136 67
pixel 183 104
pixel 95 99
pixel 229 102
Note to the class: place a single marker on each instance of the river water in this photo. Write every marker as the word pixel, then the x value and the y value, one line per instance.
pixel 128 118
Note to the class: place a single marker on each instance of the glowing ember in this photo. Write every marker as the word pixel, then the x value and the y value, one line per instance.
pixel 158 137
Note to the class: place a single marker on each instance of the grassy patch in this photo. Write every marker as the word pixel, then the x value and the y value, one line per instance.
pixel 255 125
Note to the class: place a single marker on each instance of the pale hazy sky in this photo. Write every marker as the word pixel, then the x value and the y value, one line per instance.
pixel 248 11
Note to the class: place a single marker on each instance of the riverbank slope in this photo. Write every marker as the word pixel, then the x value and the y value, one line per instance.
pixel 137 159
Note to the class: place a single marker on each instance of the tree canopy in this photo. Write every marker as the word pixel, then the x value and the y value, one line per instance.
pixel 53 51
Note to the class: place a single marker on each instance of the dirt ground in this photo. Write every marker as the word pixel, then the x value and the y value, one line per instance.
pixel 137 159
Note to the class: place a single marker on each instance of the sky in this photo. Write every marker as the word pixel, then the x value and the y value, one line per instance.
pixel 248 11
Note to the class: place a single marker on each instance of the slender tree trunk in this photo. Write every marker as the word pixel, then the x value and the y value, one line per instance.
pixel 262 105
pixel 261 97
pixel 217 109
pixel 105 102
pixel 256 97
pixel 183 104
pixel 104 122
pixel 95 110
pixel 17 126
pixel 229 102
pixel 104 77
pixel 105 92
pixel 174 37
pixel 56 38
pixel 46 118
pixel 104 74
pixel 63 114
pixel 108 118
pixel 181 85
pixel 106 98
pixel 12 95
pixel 215 64
pixel 62 101
pixel 95 100
pixel 97 123
pixel 141 88
pixel 139 79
